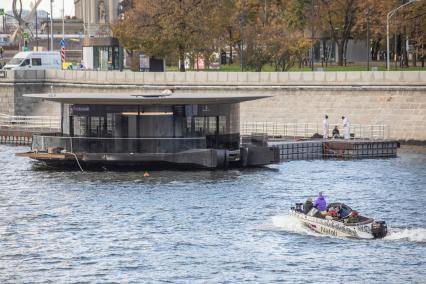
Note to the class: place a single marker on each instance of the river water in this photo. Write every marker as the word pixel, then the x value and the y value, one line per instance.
pixel 208 226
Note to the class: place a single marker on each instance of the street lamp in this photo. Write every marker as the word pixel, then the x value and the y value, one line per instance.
pixel 47 29
pixel 63 19
pixel 36 26
pixel 312 34
pixel 390 15
pixel 368 38
pixel 2 13
pixel 51 25
pixel 242 26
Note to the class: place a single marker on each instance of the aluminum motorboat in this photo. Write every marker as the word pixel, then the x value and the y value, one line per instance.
pixel 340 221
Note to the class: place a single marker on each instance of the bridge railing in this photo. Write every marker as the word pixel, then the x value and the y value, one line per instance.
pixel 308 130
pixel 30 123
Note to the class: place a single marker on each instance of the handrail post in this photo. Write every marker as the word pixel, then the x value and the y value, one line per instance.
pixel 306 129
pixel 294 132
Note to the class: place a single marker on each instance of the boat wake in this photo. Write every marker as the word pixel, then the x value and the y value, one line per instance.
pixel 417 235
pixel 291 224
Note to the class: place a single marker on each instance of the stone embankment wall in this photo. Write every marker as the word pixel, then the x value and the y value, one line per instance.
pixel 403 112
pixel 16 84
pixel 395 99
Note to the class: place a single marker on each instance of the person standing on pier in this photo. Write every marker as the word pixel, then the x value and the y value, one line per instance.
pixel 325 127
pixel 346 128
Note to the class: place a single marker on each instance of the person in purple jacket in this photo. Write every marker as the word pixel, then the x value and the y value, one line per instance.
pixel 320 203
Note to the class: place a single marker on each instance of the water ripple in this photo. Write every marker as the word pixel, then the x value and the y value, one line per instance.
pixel 208 226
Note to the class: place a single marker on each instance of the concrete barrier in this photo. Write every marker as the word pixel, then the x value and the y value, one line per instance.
pixel 232 78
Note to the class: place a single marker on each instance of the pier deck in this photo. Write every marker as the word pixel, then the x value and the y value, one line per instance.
pixel 313 149
pixel 335 149
pixel 15 136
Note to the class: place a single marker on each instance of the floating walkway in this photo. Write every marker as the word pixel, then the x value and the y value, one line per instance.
pixel 15 137
pixel 289 150
pixel 19 129
pixel 335 149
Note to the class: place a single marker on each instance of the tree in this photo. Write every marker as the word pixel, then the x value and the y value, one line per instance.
pixel 163 27
pixel 410 22
pixel 418 23
pixel 375 12
pixel 273 33
pixel 413 30
pixel 339 16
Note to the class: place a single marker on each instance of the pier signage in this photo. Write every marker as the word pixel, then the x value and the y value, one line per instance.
pixel 79 109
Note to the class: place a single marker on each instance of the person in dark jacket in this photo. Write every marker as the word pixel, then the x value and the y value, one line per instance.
pixel 308 205
pixel 336 132
pixel 344 212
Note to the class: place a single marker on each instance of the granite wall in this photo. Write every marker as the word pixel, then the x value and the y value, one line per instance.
pixel 395 99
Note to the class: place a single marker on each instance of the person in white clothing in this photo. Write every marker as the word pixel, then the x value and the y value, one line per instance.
pixel 346 128
pixel 325 127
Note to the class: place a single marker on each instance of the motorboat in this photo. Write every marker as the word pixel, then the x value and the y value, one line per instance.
pixel 340 221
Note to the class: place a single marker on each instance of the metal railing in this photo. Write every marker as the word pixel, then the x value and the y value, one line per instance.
pixel 116 144
pixel 308 130
pixel 30 123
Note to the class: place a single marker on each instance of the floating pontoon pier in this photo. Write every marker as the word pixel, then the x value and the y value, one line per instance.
pixel 160 130
pixel 335 149
pixel 301 141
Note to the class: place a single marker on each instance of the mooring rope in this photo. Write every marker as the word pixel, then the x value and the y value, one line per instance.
pixel 75 156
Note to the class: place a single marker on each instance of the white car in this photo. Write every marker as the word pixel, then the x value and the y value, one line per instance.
pixel 33 60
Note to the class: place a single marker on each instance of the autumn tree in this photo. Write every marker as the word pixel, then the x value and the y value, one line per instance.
pixel 339 17
pixel 412 29
pixel 289 45
pixel 409 22
pixel 371 19
pixel 418 23
pixel 164 27
pixel 270 35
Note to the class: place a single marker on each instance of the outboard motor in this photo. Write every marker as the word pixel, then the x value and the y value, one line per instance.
pixel 299 207
pixel 379 229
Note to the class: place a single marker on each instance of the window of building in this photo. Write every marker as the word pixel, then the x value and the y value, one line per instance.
pixel 97 126
pixel 80 125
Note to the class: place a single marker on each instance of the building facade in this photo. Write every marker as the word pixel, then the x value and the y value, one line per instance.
pixel 100 49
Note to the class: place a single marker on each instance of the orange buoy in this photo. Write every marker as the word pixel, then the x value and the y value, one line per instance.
pixel 146 174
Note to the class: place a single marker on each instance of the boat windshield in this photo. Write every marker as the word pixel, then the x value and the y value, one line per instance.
pixel 15 61
pixel 339 205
